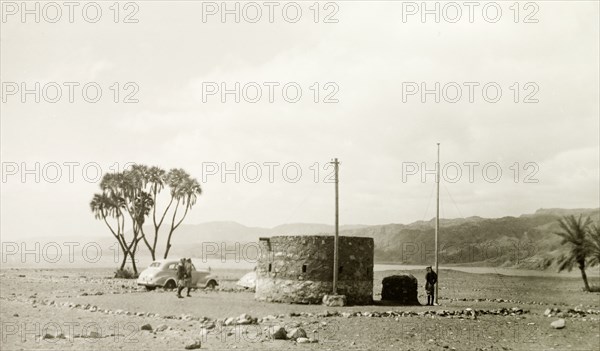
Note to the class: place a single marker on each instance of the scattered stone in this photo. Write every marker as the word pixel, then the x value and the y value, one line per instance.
pixel 547 312
pixel 161 327
pixel 334 300
pixel 48 336
pixel 296 333
pixel 195 344
pixel 278 333
pixel 324 314
pixel 558 324
pixel 147 327
pixel 303 340
pixel 244 319
pixel 209 325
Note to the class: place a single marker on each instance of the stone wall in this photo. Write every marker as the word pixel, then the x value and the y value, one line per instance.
pixel 299 269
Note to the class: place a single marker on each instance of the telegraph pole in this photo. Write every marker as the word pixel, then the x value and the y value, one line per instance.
pixel 437 221
pixel 335 241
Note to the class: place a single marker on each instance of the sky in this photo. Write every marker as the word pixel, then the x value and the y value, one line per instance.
pixel 367 75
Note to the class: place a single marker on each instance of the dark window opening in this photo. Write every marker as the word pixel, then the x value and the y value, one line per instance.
pixel 303 268
pixel 269 267
pixel 341 269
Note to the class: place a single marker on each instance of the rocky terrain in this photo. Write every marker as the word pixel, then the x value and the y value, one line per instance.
pixel 88 310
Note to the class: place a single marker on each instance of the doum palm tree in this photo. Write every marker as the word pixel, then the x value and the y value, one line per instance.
pixel 574 234
pixel 594 239
pixel 185 191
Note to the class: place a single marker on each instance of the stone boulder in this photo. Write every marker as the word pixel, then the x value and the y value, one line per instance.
pixel 402 289
pixel 334 300
pixel 193 345
pixel 278 333
pixel 296 333
pixel 558 324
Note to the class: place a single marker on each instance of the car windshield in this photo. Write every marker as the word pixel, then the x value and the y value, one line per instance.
pixel 155 264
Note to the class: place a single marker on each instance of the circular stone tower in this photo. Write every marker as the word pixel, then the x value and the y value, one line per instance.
pixel 299 269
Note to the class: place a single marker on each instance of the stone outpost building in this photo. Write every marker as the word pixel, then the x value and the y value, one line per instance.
pixel 299 269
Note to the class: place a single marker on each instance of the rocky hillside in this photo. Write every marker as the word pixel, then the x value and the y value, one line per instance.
pixel 527 241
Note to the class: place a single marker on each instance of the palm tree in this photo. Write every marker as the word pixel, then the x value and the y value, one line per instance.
pixel 133 193
pixel 594 244
pixel 122 195
pixel 185 191
pixel 137 203
pixel 104 206
pixel 156 179
pixel 574 233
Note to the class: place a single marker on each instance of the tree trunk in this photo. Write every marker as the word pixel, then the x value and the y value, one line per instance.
pixel 154 244
pixel 134 266
pixel 148 244
pixel 168 246
pixel 584 276
pixel 124 262
pixel 132 254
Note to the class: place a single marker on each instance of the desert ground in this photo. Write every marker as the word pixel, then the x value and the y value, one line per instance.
pixel 86 309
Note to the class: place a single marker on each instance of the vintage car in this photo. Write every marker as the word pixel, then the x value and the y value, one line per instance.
pixel 163 273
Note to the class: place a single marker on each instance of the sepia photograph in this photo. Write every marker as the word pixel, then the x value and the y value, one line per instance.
pixel 318 175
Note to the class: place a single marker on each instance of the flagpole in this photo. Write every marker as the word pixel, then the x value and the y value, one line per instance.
pixel 437 221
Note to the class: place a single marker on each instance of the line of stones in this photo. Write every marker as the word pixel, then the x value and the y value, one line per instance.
pixel 510 301
pixel 210 323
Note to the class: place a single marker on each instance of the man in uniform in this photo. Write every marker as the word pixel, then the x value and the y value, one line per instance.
pixel 431 280
pixel 181 275
pixel 188 273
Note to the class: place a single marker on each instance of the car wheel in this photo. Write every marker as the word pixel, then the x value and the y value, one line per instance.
pixel 150 288
pixel 211 284
pixel 170 284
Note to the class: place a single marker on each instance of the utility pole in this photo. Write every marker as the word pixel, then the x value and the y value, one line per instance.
pixel 335 241
pixel 437 221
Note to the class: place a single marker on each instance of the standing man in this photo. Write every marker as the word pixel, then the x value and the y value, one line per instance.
pixel 188 274
pixel 431 280
pixel 181 275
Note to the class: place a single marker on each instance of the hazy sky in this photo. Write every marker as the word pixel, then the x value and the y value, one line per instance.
pixel 369 58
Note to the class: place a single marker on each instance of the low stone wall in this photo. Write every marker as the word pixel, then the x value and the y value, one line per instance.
pixel 312 292
pixel 299 269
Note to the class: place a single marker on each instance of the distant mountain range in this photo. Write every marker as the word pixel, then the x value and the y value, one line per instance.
pixel 527 241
